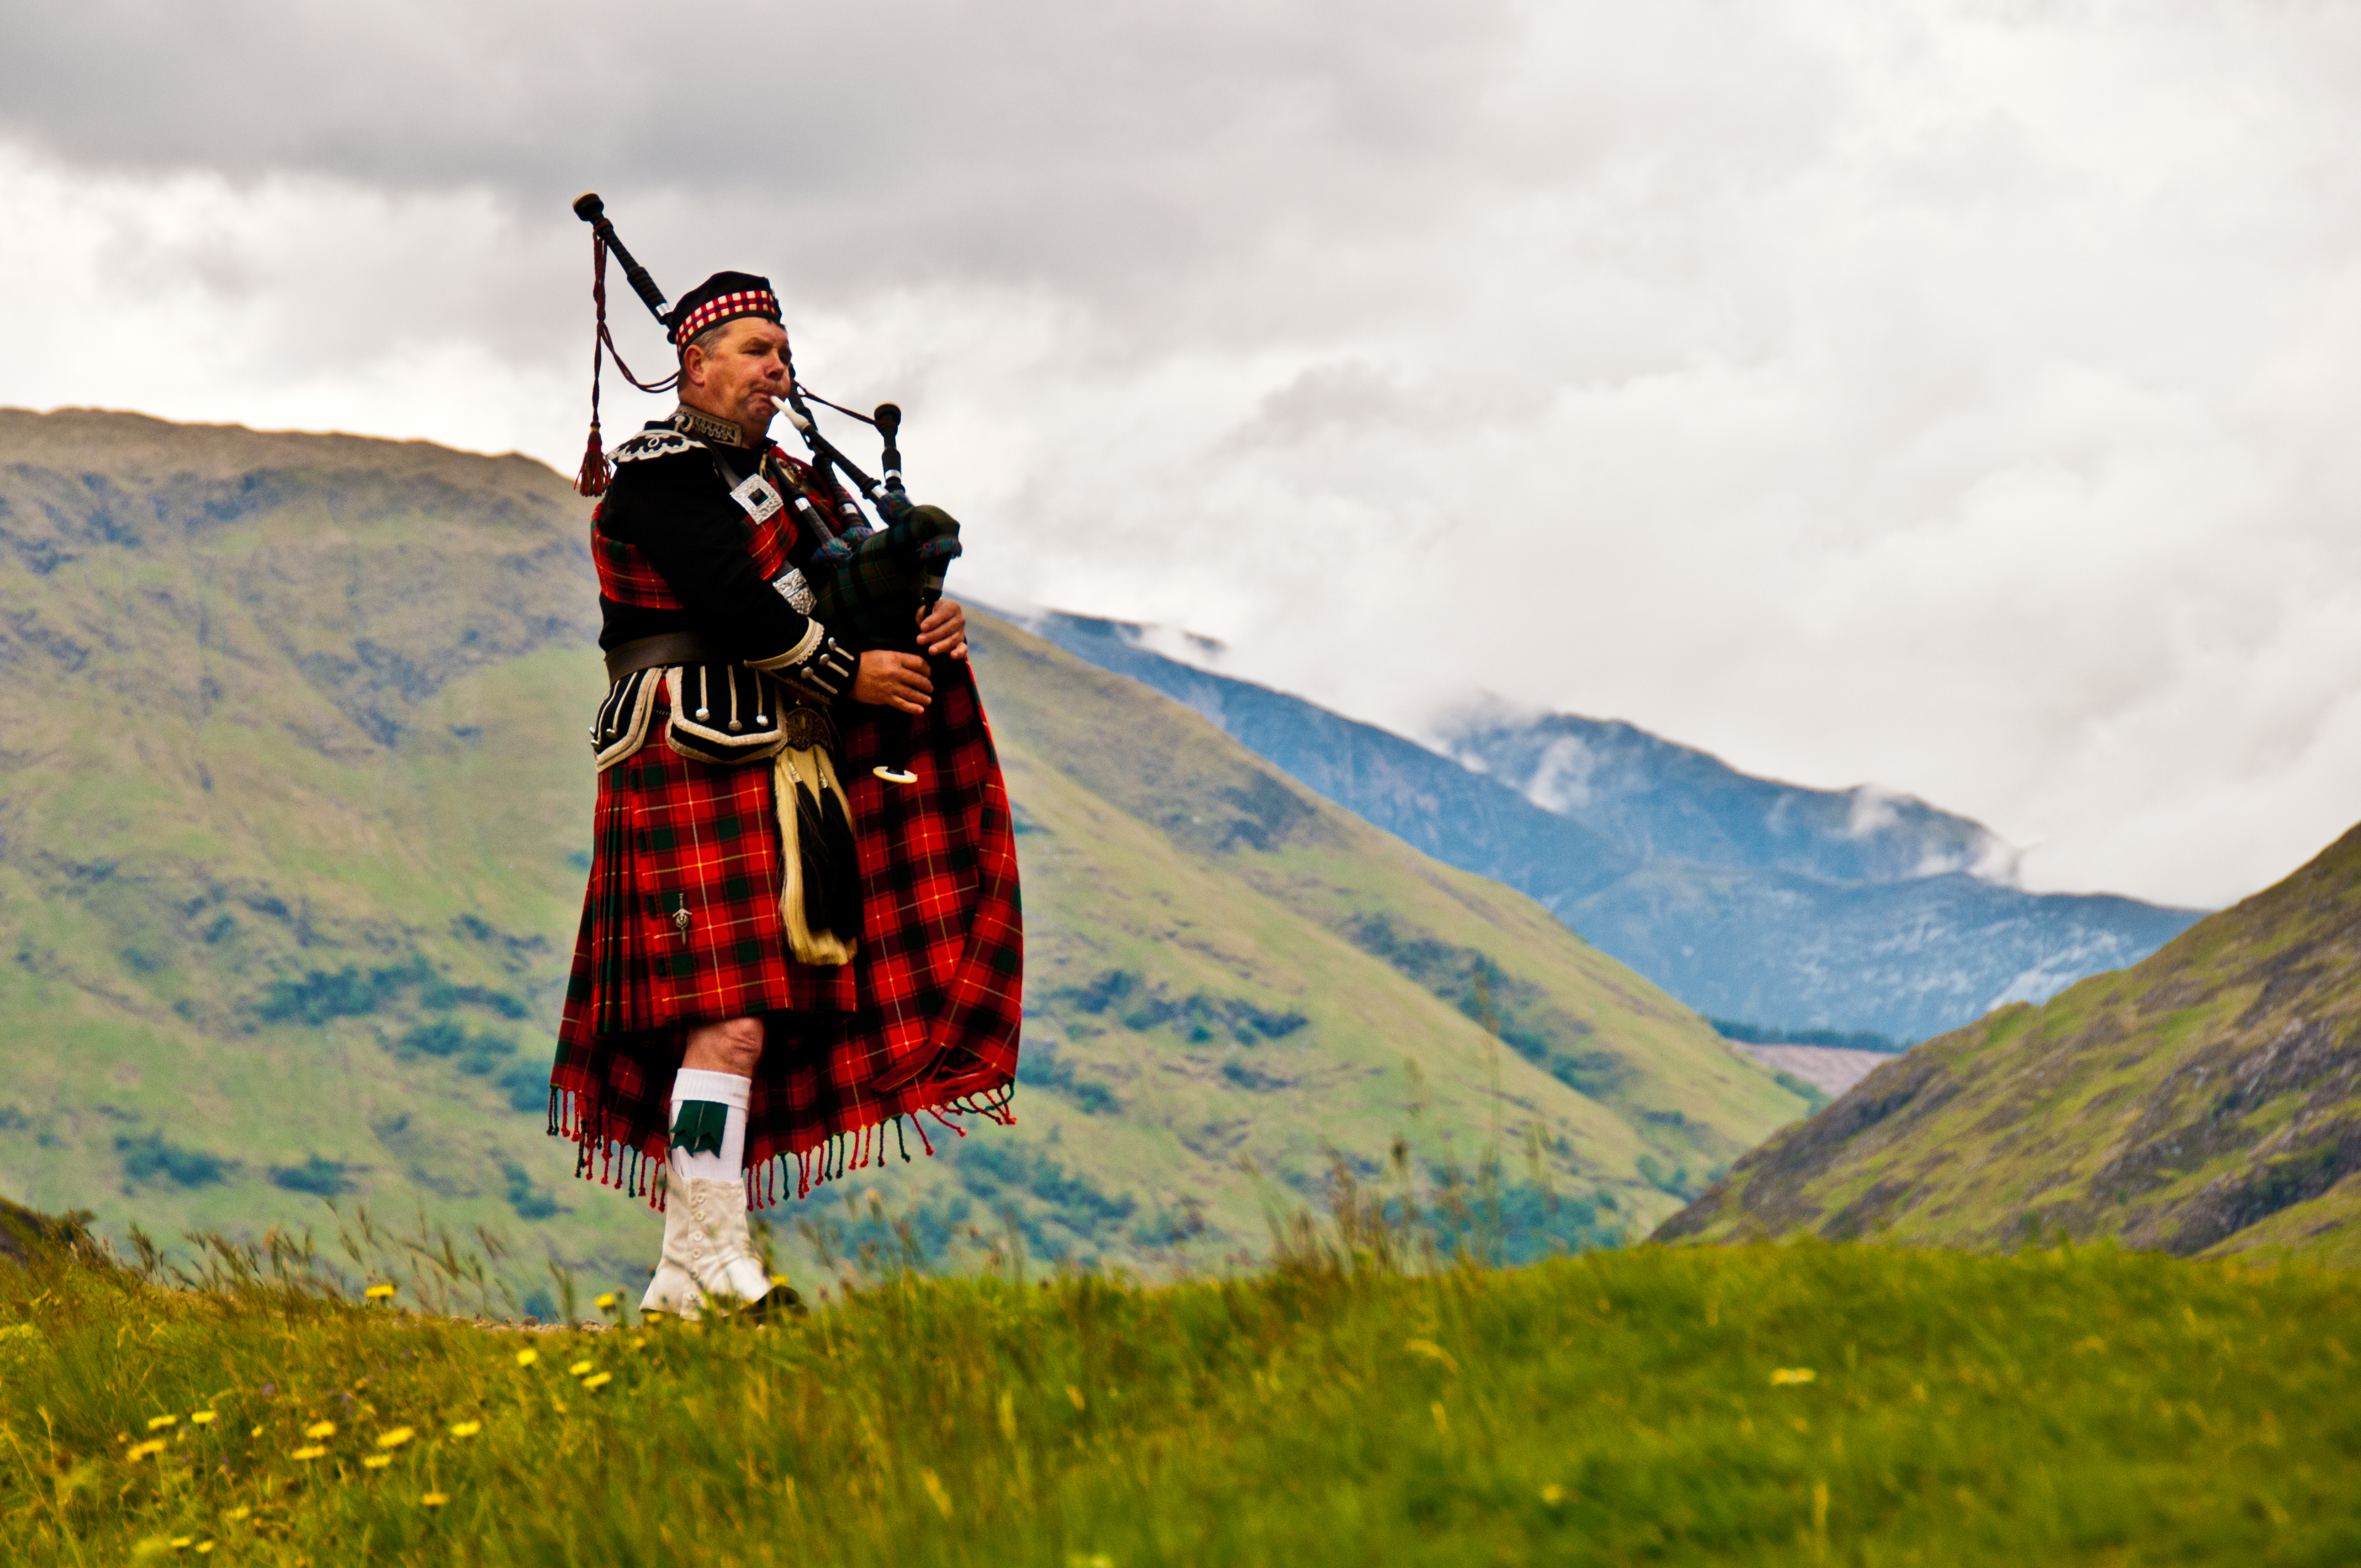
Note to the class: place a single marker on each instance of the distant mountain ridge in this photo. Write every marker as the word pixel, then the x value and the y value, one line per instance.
pixel 1669 802
pixel 1746 898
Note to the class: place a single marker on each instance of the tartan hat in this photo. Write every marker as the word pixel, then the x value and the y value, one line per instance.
pixel 724 297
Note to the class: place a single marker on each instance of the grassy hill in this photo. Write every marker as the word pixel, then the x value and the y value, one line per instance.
pixel 1776 1405
pixel 2206 1101
pixel 293 831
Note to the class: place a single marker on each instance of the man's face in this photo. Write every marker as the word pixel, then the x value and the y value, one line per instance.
pixel 744 377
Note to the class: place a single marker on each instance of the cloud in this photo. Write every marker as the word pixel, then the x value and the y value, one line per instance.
pixel 1943 395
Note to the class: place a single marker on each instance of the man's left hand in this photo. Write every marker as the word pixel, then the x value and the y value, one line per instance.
pixel 943 632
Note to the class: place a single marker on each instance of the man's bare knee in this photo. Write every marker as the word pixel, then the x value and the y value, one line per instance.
pixel 733 1046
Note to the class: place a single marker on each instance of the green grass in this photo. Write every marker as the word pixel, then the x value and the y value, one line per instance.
pixel 1793 1404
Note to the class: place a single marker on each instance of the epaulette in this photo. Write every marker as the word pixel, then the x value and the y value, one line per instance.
pixel 662 440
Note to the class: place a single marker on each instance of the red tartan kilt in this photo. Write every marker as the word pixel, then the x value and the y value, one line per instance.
pixel 925 1019
pixel 672 835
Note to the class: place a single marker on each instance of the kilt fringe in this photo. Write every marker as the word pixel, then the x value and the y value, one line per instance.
pixel 639 1171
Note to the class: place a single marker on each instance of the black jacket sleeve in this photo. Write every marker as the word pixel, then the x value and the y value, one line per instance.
pixel 677 509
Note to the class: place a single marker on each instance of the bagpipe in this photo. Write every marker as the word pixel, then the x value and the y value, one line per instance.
pixel 871 581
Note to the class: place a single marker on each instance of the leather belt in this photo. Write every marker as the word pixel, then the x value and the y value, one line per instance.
pixel 664 648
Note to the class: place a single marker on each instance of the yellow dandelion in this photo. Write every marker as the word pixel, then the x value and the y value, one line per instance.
pixel 579 1369
pixel 1783 1377
pixel 157 1423
pixel 183 1543
pixel 380 1292
pixel 527 1357
pixel 778 1279
pixel 1433 1352
pixel 598 1380
pixel 320 1429
pixel 202 1417
pixel 395 1438
pixel 605 1301
pixel 139 1451
pixel 203 1547
pixel 435 1499
pixel 237 1513
pixel 312 1452
pixel 466 1428
pixel 1553 1494
pixel 256 1432
pixel 377 1462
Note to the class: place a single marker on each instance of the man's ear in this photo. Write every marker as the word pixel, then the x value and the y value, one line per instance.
pixel 692 366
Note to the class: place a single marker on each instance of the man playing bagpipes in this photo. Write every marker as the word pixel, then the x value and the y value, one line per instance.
pixel 801 926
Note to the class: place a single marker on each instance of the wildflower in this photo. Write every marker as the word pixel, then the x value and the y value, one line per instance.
pixel 395 1438
pixel 466 1428
pixel 377 1462
pixel 256 1432
pixel 1781 1376
pixel 312 1452
pixel 778 1279
pixel 203 1547
pixel 605 1301
pixel 1553 1494
pixel 1432 1351
pixel 599 1381
pixel 320 1429
pixel 141 1450
pixel 181 1542
pixel 579 1369
pixel 157 1423
pixel 202 1417
pixel 527 1357
pixel 435 1499
pixel 237 1513
pixel 379 1293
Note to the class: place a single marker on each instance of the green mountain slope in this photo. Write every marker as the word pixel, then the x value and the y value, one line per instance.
pixel 294 815
pixel 2206 1101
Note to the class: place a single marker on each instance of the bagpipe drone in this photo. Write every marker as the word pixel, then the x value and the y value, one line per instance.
pixel 869 581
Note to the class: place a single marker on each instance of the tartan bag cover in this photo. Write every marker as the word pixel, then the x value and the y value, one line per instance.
pixel 923 1022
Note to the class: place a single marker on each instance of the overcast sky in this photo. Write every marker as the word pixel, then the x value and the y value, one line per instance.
pixel 1955 397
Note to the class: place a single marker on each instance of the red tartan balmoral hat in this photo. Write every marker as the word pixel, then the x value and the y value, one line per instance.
pixel 724 297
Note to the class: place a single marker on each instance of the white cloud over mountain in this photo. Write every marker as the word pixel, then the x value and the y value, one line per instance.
pixel 1947 395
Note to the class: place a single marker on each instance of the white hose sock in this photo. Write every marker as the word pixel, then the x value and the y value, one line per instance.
pixel 708 1123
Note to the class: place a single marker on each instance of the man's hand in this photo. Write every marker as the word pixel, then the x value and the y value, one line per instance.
pixel 942 631
pixel 899 681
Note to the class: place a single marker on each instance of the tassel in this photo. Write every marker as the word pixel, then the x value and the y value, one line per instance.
pixel 592 480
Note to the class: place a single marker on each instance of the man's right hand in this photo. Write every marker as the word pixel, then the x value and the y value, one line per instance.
pixel 892 680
